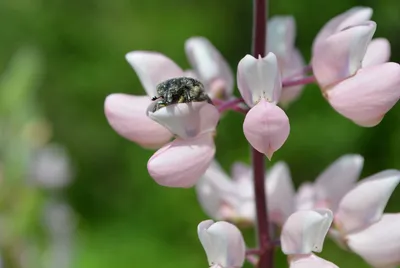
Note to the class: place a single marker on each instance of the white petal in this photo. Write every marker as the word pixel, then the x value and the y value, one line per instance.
pixel 280 192
pixel 310 261
pixel 281 33
pixel 306 196
pixel 339 178
pixel 305 231
pixel 152 68
pixel 187 120
pixel 242 176
pixel 378 52
pixel 259 78
pixel 379 244
pixel 223 243
pixel 365 204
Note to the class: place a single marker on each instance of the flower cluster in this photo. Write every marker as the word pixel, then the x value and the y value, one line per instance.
pixel 352 71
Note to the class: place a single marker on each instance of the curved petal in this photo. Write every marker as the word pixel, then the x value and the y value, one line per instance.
pixel 305 231
pixel 379 244
pixel 242 176
pixel 290 68
pixel 364 204
pixel 259 79
pixel 280 193
pixel 182 162
pixel 366 97
pixel 351 17
pixel 378 52
pixel 310 261
pixel 306 197
pixel 152 68
pixel 187 120
pixel 339 178
pixel 212 188
pixel 280 37
pixel 340 55
pixel 223 243
pixel 266 127
pixel 210 66
pixel 241 171
pixel 127 116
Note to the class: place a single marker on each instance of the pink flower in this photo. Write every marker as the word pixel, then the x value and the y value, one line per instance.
pixel 280 41
pixel 352 70
pixel 223 244
pixel 210 67
pixel 304 232
pixel 266 126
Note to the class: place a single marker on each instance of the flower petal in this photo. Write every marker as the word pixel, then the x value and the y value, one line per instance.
pixel 351 17
pixel 364 204
pixel 182 162
pixel 310 261
pixel 210 66
pixel 305 231
pixel 339 178
pixel 306 196
pixel 127 116
pixel 213 190
pixel 366 97
pixel 152 68
pixel 290 68
pixel 242 176
pixel 340 55
pixel 187 120
pixel 378 52
pixel 223 243
pixel 379 244
pixel 280 193
pixel 281 34
pixel 266 127
pixel 259 79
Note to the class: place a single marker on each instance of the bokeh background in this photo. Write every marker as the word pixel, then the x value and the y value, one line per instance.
pixel 124 218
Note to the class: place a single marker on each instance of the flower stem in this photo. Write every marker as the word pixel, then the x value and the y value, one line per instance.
pixel 264 240
pixel 230 104
pixel 301 81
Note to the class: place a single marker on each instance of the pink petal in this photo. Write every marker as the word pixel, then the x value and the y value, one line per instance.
pixel 310 261
pixel 127 116
pixel 364 204
pixel 266 127
pixel 210 66
pixel 351 17
pixel 187 120
pixel 366 97
pixel 281 34
pixel 339 178
pixel 290 68
pixel 242 176
pixel 340 55
pixel 152 68
pixel 280 193
pixel 306 197
pixel 241 171
pixel 212 188
pixel 305 231
pixel 259 79
pixel 223 243
pixel 182 162
pixel 379 244
pixel 378 52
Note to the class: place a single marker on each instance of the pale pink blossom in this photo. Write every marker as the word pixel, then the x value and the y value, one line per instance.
pixel 210 67
pixel 303 233
pixel 266 126
pixel 352 70
pixel 281 36
pixel 223 244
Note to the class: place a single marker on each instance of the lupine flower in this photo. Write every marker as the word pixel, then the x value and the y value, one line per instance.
pixel 232 199
pixel 352 70
pixel 210 67
pixel 266 126
pixel 361 224
pixel 223 244
pixel 303 233
pixel 280 41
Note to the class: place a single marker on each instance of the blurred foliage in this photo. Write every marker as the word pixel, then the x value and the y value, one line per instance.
pixel 126 220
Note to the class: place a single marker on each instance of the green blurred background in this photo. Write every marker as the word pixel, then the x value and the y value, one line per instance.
pixel 125 218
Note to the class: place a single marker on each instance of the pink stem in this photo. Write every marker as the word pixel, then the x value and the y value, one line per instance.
pixel 297 82
pixel 229 104
pixel 264 240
